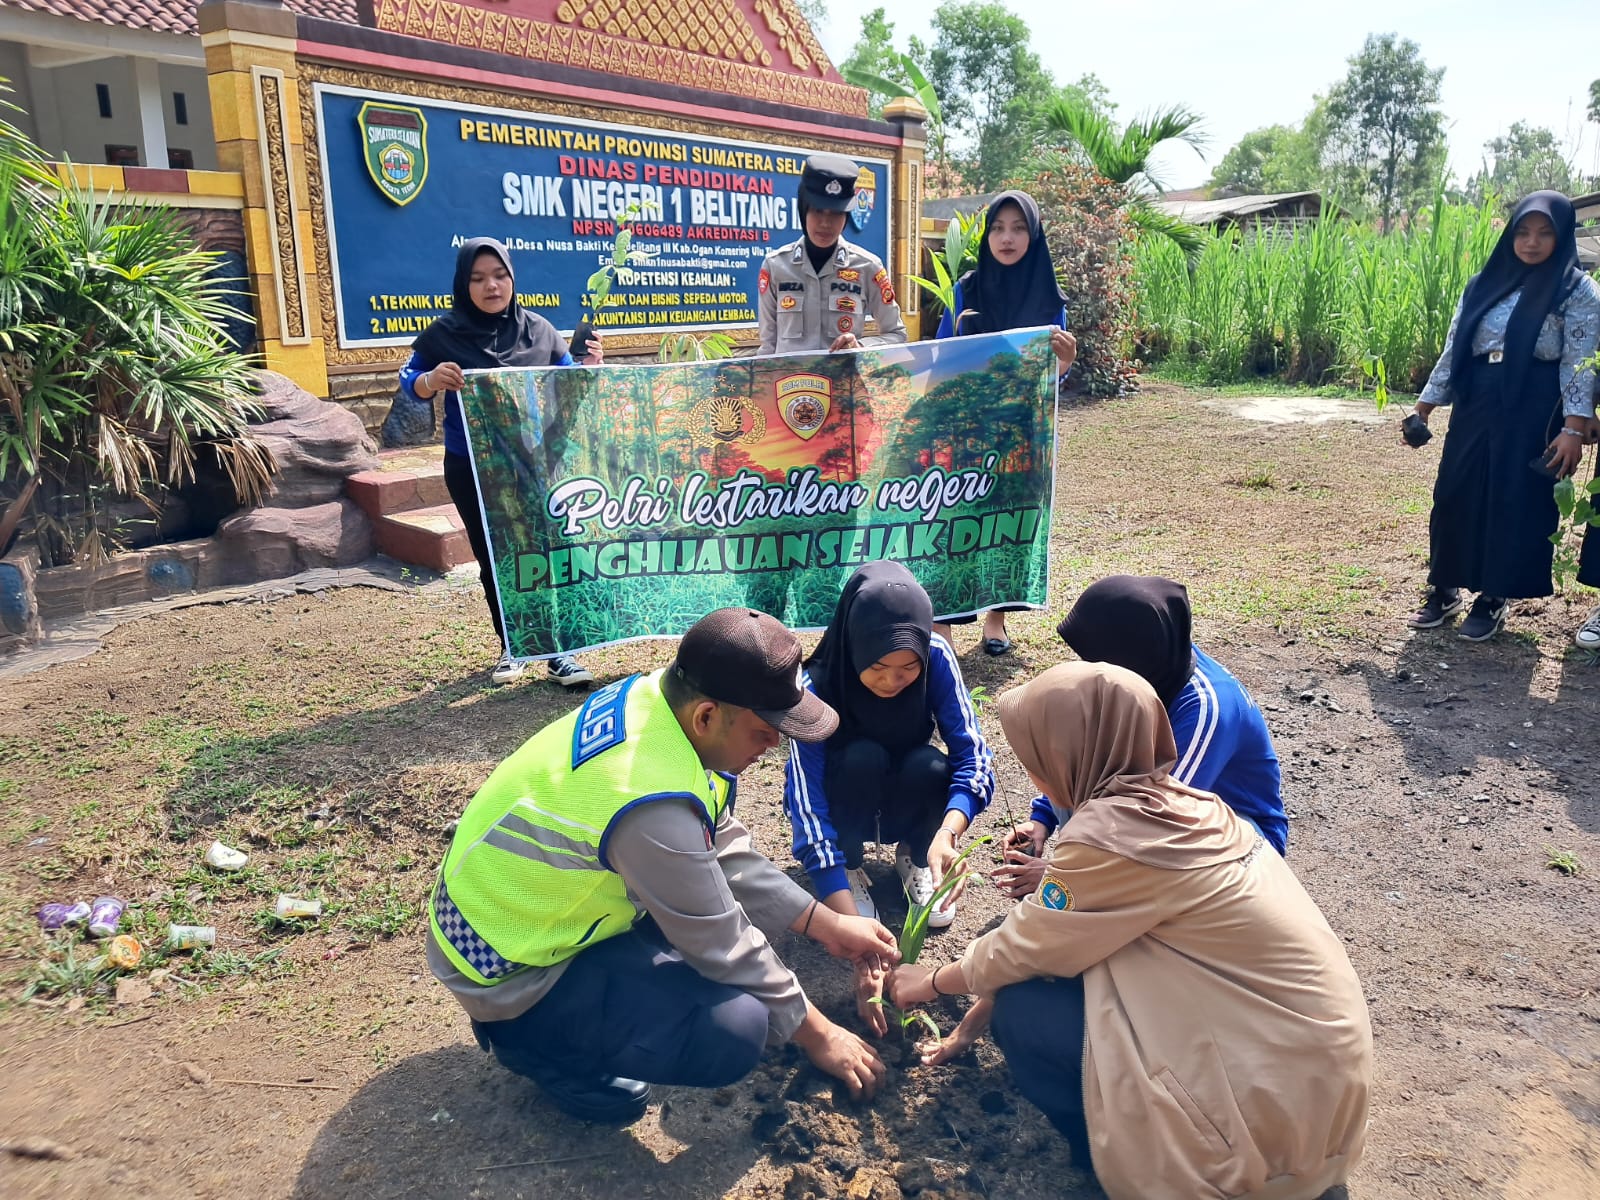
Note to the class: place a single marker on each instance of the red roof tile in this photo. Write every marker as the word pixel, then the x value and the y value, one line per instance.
pixel 165 16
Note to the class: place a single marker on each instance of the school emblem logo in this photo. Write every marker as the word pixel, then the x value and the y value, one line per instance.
pixel 394 140
pixel 804 402
pixel 726 419
pixel 866 197
pixel 1054 894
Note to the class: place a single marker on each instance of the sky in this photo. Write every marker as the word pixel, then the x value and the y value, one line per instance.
pixel 1246 65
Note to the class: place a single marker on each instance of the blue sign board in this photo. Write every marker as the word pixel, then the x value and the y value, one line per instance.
pixel 407 181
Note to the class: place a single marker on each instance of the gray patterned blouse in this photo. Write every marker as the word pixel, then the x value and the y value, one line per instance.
pixel 1569 336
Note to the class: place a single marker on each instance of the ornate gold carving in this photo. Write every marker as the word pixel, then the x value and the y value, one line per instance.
pixel 276 170
pixel 712 50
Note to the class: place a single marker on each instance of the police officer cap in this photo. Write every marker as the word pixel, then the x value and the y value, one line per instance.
pixel 828 182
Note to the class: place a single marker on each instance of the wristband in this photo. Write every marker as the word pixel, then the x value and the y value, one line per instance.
pixel 933 980
pixel 1571 432
pixel 810 912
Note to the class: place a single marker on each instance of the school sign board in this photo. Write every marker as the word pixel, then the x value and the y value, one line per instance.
pixel 407 181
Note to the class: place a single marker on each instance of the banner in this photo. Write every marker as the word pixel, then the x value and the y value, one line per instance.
pixel 407 181
pixel 627 502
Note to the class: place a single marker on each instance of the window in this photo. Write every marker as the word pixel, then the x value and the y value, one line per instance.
pixel 122 156
pixel 102 95
pixel 180 160
pixel 180 108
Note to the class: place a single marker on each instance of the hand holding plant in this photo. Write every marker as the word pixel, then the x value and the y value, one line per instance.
pixel 855 938
pixel 1019 874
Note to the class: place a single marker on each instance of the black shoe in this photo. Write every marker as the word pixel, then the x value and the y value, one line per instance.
pixel 1485 620
pixel 995 647
pixel 605 1099
pixel 1440 606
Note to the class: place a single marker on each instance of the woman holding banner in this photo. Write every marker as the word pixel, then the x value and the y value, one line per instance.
pixel 1013 287
pixel 485 329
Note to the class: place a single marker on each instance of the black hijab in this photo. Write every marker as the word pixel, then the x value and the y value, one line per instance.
pixel 883 609
pixel 1544 288
pixel 1140 622
pixel 475 340
pixel 1015 297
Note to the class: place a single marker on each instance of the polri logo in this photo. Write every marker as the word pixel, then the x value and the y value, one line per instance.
pixel 804 402
pixel 394 142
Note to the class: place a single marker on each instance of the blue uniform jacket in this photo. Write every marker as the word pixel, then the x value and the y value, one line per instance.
pixel 1223 747
pixel 455 433
pixel 971 772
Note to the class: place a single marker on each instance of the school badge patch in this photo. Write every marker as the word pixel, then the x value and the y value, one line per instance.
pixel 866 197
pixel 394 142
pixel 804 402
pixel 1054 894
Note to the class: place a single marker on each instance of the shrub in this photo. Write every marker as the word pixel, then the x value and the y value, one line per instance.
pixel 1090 239
pixel 114 369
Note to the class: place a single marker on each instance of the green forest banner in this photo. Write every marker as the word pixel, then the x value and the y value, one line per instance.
pixel 628 501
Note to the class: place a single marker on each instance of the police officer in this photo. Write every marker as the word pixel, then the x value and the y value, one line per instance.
pixel 817 293
pixel 603 917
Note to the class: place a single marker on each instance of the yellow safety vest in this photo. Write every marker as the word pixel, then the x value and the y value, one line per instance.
pixel 526 881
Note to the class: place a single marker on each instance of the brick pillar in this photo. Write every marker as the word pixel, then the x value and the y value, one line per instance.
pixel 906 253
pixel 255 114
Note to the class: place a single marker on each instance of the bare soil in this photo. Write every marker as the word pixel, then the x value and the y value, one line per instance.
pixel 335 737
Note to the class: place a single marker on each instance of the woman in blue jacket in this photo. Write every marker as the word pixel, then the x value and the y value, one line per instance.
pixel 1143 623
pixel 485 328
pixel 877 779
pixel 1013 287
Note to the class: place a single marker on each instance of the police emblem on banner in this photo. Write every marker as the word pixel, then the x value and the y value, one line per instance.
pixel 866 197
pixel 727 419
pixel 394 140
pixel 804 401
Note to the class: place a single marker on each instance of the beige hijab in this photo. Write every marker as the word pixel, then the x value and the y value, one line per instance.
pixel 1098 737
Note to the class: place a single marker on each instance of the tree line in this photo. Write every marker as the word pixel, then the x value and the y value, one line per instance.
pixel 1374 141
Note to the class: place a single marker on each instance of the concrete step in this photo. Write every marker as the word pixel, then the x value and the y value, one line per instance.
pixel 405 479
pixel 430 537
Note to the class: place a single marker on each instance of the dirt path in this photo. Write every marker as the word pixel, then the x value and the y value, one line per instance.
pixel 335 736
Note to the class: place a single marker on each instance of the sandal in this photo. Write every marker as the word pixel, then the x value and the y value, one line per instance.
pixel 995 647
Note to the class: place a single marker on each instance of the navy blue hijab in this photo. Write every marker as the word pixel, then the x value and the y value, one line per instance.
pixel 1020 296
pixel 475 340
pixel 882 609
pixel 1544 288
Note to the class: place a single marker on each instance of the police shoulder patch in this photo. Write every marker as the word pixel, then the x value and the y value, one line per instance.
pixel 1054 894
pixel 601 722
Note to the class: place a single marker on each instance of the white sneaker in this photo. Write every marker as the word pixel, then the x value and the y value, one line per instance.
pixel 508 669
pixel 918 883
pixel 858 892
pixel 1588 635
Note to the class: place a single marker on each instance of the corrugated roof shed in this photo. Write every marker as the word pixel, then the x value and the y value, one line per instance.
pixel 1207 212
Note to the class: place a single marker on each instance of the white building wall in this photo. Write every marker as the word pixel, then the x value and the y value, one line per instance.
pixel 85 134
pixel 14 70
pixel 196 136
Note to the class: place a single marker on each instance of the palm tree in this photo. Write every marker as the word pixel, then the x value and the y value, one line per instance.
pixel 113 367
pixel 1123 156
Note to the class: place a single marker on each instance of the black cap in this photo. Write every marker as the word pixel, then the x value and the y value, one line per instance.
pixel 751 660
pixel 828 182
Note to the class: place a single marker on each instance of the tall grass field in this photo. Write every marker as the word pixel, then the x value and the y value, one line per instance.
pixel 1330 302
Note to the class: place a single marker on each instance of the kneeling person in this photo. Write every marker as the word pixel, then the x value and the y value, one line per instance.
pixel 603 917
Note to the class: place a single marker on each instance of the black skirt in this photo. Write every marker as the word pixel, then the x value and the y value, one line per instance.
pixel 1493 514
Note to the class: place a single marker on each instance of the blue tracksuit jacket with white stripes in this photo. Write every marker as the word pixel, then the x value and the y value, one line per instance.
pixel 971 772
pixel 1223 747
